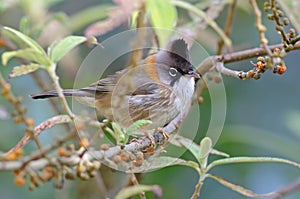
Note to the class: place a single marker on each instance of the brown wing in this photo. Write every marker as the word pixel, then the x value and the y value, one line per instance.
pixel 152 102
pixel 104 85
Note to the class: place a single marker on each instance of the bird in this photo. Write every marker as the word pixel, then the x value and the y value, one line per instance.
pixel 158 89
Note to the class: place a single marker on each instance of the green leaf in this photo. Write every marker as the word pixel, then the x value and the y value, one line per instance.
pixel 250 159
pixel 27 53
pixel 162 15
pixel 119 134
pixel 109 134
pixel 87 16
pixel 162 162
pixel 136 125
pixel 191 146
pixel 64 46
pixel 134 18
pixel 220 153
pixel 205 149
pixel 19 37
pixel 24 69
pixel 128 192
pixel 238 188
pixel 24 24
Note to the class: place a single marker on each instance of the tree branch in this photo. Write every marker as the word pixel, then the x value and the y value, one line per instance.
pixel 228 25
pixel 285 190
pixel 31 162
pixel 209 62
pixel 260 27
pixel 37 130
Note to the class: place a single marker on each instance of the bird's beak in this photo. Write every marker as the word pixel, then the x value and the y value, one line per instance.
pixel 194 74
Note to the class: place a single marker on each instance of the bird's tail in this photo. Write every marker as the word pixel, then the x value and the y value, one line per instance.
pixel 69 92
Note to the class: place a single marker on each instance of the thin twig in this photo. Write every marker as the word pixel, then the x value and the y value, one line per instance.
pixel 226 71
pixel 37 130
pixel 279 24
pixel 55 78
pixel 136 55
pixel 198 186
pixel 228 25
pixel 287 189
pixel 135 182
pixel 260 27
pixel 41 154
pixel 10 46
pixel 209 62
pixel 42 86
pixel 19 110
pixel 34 162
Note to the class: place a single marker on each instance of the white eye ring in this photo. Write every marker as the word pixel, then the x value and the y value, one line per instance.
pixel 173 72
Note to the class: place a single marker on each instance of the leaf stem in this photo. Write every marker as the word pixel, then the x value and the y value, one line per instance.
pixel 55 79
pixel 250 159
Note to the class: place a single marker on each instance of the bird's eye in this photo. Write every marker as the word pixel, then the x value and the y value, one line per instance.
pixel 173 72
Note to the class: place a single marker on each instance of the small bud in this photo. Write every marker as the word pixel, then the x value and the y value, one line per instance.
pixel 242 75
pixel 96 165
pixel 125 157
pixel 281 68
pixel 267 8
pixel 44 176
pixel 285 21
pixel 92 173
pixel 292 32
pixel 31 187
pixel 217 79
pixel 71 148
pixel 5 89
pixel 289 47
pixel 260 65
pixel 18 120
pixel 80 169
pixel 48 169
pixel 29 122
pixel 266 4
pixel 10 157
pixel 58 184
pixel 63 152
pixel 271 17
pixel 250 74
pixel 276 51
pixel 139 160
pixel 17 172
pixel 200 100
pixel 19 152
pixel 84 176
pixel 84 142
pixel 278 28
pixel 69 175
pixel 256 76
pixel 104 147
pixel 280 13
pixel 20 180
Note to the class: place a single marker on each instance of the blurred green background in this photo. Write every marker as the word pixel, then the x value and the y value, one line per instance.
pixel 263 116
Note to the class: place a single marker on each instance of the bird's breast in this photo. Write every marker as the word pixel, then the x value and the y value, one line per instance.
pixel 183 90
